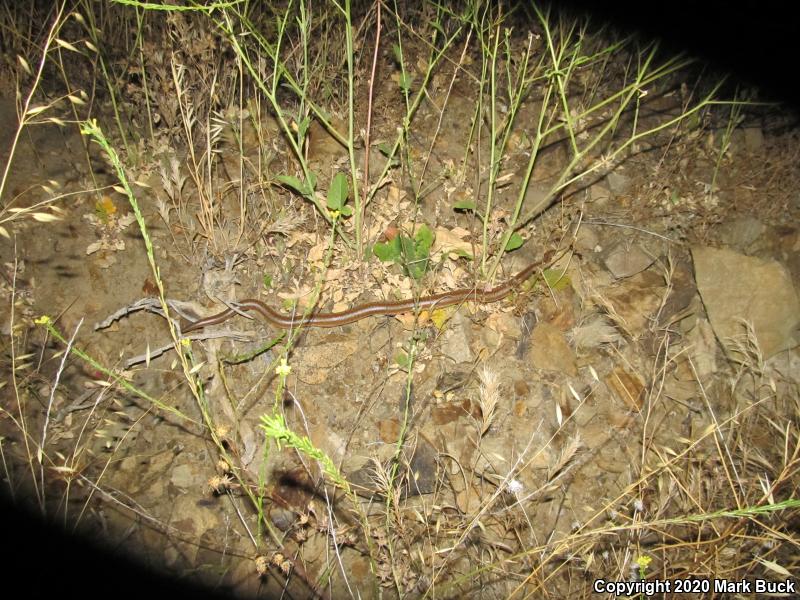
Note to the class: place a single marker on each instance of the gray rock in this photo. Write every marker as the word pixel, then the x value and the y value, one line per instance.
pixel 737 288
pixel 625 260
pixel 186 476
pixel 455 341
pixel 617 182
pixel 587 241
pixel 741 232
pixel 600 193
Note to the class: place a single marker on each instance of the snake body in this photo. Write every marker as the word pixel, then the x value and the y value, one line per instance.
pixel 370 309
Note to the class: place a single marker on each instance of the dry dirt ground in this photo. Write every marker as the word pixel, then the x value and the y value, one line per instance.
pixel 592 424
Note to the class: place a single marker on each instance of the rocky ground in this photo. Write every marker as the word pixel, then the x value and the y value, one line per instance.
pixel 642 383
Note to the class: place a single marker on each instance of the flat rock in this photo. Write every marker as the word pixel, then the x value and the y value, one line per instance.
pixel 186 476
pixel 587 240
pixel 634 301
pixel 735 287
pixel 741 232
pixel 600 193
pixel 455 341
pixel 550 350
pixel 318 360
pixel 625 260
pixel 617 182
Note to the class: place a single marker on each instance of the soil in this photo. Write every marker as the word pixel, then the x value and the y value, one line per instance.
pixel 612 390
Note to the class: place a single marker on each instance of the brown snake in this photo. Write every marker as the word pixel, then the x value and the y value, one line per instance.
pixel 371 309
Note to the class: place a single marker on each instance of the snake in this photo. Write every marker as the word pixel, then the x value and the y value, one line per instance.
pixel 371 309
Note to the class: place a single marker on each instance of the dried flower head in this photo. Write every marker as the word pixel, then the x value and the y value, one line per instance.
pixel 262 565
pixel 220 483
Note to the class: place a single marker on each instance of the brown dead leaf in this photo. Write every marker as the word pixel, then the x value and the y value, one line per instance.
pixel 317 252
pixel 149 288
pixel 296 237
pixel 627 387
pixel 395 194
pixel 334 275
pixel 452 242
pixel 409 320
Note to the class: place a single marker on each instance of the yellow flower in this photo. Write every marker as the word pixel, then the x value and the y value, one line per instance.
pixel 643 561
pixel 43 320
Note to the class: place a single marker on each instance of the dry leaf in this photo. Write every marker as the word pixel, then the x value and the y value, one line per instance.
pixel 450 242
pixel 317 252
pixel 395 194
pixel 627 387
pixel 106 206
pixel 440 316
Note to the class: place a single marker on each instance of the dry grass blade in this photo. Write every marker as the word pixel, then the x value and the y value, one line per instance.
pixel 488 398
pixel 336 157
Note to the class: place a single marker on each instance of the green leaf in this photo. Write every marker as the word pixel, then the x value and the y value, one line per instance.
pixel 405 82
pixel 514 242
pixel 424 238
pixel 417 268
pixel 302 127
pixel 389 251
pixel 382 251
pixel 402 359
pixel 407 248
pixel 398 54
pixel 556 280
pixel 412 254
pixel 304 189
pixel 384 148
pixel 460 252
pixel 267 281
pixel 293 183
pixel 416 260
pixel 337 193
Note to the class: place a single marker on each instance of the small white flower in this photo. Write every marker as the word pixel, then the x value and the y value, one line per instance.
pixel 515 487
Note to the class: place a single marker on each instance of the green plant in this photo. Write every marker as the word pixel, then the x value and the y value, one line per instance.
pixel 735 119
pixel 276 430
pixel 412 254
pixel 239 137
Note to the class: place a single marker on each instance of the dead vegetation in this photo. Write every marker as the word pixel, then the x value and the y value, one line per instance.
pixel 594 427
